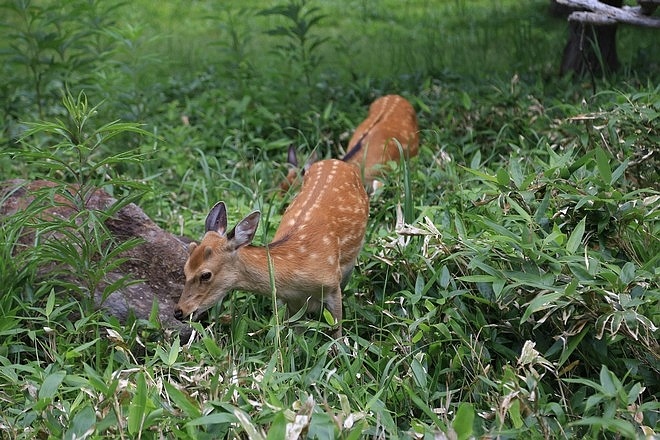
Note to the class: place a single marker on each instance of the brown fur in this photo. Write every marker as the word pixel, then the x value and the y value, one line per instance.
pixel 312 254
pixel 390 128
pixel 391 121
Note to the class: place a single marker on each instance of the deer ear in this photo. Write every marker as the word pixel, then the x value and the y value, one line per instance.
pixel 244 231
pixel 313 157
pixel 292 158
pixel 216 220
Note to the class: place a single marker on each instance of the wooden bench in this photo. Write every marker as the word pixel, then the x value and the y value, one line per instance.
pixel 593 27
pixel 603 14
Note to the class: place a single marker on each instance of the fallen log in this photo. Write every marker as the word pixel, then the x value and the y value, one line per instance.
pixel 156 263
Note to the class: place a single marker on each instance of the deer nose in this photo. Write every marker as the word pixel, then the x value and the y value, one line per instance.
pixel 178 314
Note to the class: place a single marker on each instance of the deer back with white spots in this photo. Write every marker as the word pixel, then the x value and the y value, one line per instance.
pixel 389 130
pixel 312 253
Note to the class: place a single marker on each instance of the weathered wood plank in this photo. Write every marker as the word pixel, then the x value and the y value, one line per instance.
pixel 603 14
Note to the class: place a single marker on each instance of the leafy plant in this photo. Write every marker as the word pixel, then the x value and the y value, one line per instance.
pixel 236 47
pixel 55 44
pixel 613 407
pixel 299 50
pixel 75 168
pixel 300 44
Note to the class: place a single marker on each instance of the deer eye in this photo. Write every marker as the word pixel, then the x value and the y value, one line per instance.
pixel 205 277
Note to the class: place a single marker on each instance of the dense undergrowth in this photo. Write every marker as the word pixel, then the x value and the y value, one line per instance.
pixel 508 286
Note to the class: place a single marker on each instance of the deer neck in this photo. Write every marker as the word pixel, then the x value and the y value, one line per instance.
pixel 254 269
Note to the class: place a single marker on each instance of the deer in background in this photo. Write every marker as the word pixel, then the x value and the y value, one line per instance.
pixel 389 130
pixel 312 253
pixel 294 169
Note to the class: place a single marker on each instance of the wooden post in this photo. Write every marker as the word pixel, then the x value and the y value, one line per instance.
pixel 591 48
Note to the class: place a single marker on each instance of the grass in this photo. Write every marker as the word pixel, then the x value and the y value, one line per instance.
pixel 518 299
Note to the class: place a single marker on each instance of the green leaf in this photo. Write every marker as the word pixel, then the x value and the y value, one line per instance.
pixel 466 101
pixel 519 209
pixel 96 380
pixel 634 393
pixel 189 406
pixel 475 164
pixel 138 407
pixel 478 278
pixel 445 277
pixel 516 174
pixel 154 315
pixel 213 419
pixel 327 316
pixel 607 382
pixel 50 303
pixel 357 431
pixel 251 429
pixel 501 230
pixel 82 422
pixel 174 352
pixel 587 200
pixel 603 164
pixel 51 384
pixel 514 413
pixel 460 227
pixel 322 427
pixel 498 285
pixel 542 209
pixel 277 428
pixel 618 172
pixel 423 406
pixel 327 112
pixel 556 236
pixel 503 177
pixel 419 374
pixel 78 349
pixel 575 239
pixel 571 287
pixel 627 274
pixel 212 347
pixel 378 407
pixel 573 343
pixel 593 401
pixel 581 161
pixel 475 170
pixel 419 283
pixel 464 420
pixel 541 302
pixel 610 424
pixel 587 382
